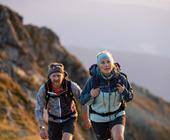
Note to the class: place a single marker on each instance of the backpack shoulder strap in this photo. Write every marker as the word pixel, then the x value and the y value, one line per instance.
pixel 68 86
pixel 124 75
pixel 95 82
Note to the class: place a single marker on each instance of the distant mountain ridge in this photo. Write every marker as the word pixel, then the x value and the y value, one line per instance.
pixel 25 52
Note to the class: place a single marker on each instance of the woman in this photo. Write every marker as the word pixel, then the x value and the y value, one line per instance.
pixel 105 92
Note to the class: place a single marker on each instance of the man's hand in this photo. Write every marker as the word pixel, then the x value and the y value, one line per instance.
pixel 87 124
pixel 43 133
pixel 85 117
pixel 94 92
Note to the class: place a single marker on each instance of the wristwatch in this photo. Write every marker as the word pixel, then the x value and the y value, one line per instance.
pixel 42 127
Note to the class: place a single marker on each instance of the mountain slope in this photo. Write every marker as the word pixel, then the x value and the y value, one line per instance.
pixel 148 115
pixel 25 52
pixel 17 119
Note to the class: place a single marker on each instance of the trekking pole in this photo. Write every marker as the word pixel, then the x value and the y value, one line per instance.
pixel 92 134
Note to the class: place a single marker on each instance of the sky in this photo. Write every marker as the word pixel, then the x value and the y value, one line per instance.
pixel 140 26
pixel 135 26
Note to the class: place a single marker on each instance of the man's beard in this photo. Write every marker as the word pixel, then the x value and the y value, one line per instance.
pixel 56 83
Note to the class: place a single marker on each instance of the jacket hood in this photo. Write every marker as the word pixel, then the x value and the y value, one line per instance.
pixel 94 71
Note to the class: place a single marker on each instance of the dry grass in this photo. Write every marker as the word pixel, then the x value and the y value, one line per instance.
pixel 147 105
pixel 3 55
pixel 17 116
pixel 31 137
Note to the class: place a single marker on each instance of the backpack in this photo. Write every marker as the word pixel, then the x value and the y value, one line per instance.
pixel 66 86
pixel 95 79
pixel 96 82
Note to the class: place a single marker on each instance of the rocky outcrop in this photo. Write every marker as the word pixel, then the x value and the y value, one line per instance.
pixel 28 50
pixel 25 52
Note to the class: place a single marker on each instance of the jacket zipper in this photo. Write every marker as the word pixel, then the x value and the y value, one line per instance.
pixel 109 97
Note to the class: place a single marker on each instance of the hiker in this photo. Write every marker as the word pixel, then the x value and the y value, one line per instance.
pixel 104 92
pixel 58 95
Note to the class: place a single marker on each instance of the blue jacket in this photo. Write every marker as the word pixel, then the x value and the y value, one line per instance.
pixel 108 100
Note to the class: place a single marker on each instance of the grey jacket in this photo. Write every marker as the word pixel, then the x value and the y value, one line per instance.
pixel 54 104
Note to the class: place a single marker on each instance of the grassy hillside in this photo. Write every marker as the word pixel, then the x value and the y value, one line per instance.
pixel 148 115
pixel 17 116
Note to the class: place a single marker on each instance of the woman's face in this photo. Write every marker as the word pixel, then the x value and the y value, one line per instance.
pixel 105 66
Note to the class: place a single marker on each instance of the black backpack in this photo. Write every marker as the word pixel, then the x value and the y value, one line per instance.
pixel 66 85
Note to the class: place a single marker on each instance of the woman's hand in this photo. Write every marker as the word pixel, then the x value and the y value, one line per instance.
pixel 120 88
pixel 94 92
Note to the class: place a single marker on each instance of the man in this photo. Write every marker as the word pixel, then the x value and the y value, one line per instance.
pixel 58 95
